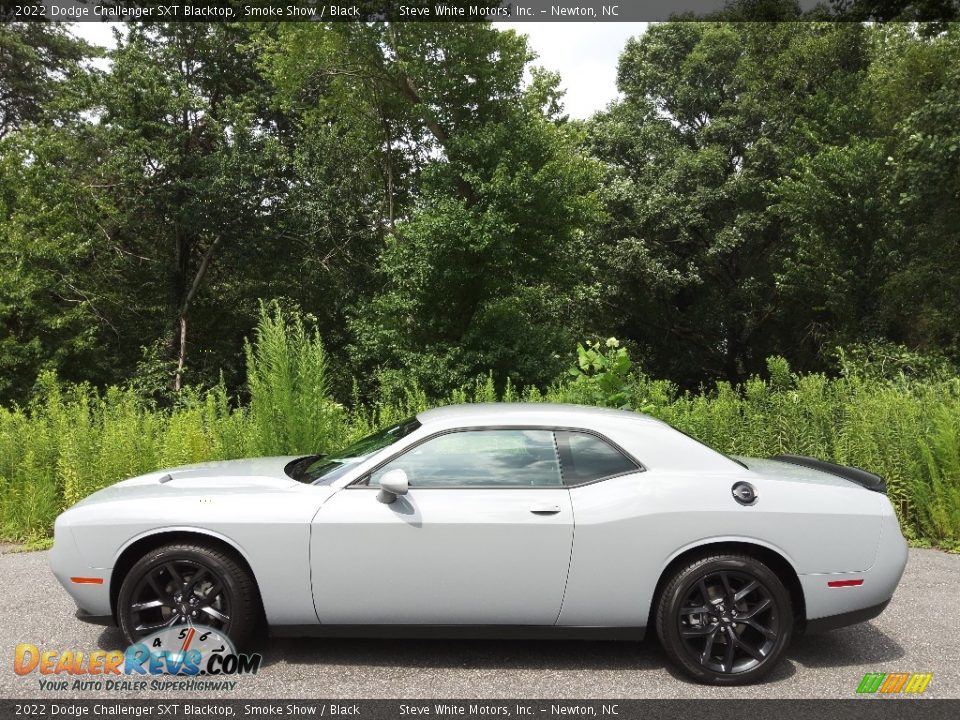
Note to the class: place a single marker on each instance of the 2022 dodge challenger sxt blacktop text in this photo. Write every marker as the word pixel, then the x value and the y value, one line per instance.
pixel 497 519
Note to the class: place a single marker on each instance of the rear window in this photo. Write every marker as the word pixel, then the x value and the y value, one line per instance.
pixel 587 458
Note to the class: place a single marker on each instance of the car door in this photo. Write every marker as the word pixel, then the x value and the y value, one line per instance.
pixel 483 536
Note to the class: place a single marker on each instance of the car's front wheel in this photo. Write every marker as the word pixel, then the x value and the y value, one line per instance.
pixel 725 619
pixel 188 584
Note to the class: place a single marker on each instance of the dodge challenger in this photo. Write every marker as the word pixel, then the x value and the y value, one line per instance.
pixel 507 520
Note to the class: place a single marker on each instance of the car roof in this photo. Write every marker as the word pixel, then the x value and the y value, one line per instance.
pixel 532 412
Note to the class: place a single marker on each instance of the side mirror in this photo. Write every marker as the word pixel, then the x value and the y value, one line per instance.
pixel 392 485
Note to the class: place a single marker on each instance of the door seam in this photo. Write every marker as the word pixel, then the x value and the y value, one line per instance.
pixel 573 537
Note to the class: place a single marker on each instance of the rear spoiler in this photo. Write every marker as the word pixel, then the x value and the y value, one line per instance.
pixel 854 474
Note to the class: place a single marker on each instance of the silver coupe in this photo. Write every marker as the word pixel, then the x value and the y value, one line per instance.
pixel 522 520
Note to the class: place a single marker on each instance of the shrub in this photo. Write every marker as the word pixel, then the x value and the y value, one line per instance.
pixel 71 441
pixel 290 404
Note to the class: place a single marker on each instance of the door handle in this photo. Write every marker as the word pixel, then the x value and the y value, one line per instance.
pixel 545 509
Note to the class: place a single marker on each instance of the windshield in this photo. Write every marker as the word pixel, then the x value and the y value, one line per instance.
pixel 324 469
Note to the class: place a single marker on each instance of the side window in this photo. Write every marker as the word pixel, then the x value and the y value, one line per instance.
pixel 480 458
pixel 587 458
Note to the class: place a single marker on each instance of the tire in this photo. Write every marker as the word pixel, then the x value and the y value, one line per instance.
pixel 180 583
pixel 724 619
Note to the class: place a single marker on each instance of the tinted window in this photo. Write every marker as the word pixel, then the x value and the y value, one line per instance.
pixel 587 458
pixel 481 458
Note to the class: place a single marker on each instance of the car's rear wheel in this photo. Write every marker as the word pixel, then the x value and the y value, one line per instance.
pixel 725 619
pixel 188 584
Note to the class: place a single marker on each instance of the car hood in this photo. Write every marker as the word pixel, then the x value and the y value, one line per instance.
pixel 222 476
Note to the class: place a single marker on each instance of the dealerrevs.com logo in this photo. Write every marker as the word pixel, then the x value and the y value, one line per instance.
pixel 186 652
pixel 894 683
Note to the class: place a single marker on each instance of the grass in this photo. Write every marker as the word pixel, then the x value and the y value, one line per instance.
pixel 73 440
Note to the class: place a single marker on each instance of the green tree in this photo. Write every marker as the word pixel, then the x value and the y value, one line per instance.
pixel 187 113
pixel 917 77
pixel 55 262
pixel 713 116
pixel 492 259
pixel 141 217
pixel 36 60
pixel 352 156
pixel 477 196
pixel 873 216
pixel 47 315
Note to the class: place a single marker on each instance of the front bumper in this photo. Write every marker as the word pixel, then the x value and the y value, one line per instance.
pixel 86 617
pixel 77 577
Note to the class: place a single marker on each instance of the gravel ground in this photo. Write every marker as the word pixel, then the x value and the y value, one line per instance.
pixel 919 632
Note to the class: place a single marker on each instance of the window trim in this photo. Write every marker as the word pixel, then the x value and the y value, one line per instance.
pixel 554 429
pixel 638 466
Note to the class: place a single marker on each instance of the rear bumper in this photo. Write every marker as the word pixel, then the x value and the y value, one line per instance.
pixel 832 622
pixel 829 607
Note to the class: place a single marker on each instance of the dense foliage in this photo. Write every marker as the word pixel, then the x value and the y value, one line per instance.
pixel 417 196
pixel 70 441
pixel 760 188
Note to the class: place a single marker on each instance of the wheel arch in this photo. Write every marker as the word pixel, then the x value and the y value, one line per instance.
pixel 139 546
pixel 772 557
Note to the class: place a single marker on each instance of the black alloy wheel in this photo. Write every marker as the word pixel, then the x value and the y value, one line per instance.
pixel 187 585
pixel 725 620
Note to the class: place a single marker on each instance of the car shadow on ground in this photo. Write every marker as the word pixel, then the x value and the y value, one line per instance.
pixel 463 654
pixel 857 645
pixel 111 639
